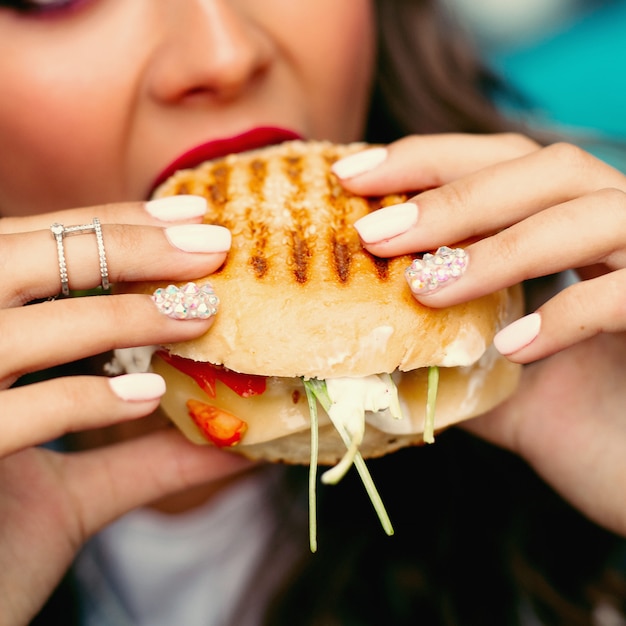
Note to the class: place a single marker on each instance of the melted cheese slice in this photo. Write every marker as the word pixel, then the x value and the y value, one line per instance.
pixel 283 409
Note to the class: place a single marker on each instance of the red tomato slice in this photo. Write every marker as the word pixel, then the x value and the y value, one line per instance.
pixel 219 426
pixel 205 375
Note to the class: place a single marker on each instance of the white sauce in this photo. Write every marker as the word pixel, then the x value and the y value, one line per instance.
pixel 352 397
pixel 477 380
pixel 466 349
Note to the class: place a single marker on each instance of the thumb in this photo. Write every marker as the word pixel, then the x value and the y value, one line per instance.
pixel 110 481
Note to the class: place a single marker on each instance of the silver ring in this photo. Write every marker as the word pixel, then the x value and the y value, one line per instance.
pixel 102 257
pixel 59 232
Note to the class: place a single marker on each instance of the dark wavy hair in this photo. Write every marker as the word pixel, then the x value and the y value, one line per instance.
pixel 479 539
pixel 428 79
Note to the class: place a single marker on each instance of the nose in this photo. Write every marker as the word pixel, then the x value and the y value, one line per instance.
pixel 207 48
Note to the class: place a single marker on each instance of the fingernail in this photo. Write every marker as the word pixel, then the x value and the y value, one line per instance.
pixel 174 208
pixel 387 223
pixel 359 163
pixel 434 271
pixel 138 387
pixel 188 302
pixel 518 335
pixel 199 237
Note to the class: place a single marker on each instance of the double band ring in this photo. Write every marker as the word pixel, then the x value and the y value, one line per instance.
pixel 59 232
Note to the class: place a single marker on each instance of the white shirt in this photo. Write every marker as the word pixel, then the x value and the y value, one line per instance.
pixel 153 569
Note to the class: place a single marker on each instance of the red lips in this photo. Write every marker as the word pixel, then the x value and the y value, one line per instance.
pixel 255 138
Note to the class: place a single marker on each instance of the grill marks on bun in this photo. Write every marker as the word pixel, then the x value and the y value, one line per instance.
pixel 301 237
pixel 299 295
pixel 287 186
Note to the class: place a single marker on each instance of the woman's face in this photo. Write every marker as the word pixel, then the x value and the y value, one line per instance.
pixel 99 96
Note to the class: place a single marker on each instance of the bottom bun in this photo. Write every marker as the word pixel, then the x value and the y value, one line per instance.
pixel 278 421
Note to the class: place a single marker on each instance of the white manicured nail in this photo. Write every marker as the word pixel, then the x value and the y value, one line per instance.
pixel 138 387
pixel 359 163
pixel 518 335
pixel 199 237
pixel 387 223
pixel 174 208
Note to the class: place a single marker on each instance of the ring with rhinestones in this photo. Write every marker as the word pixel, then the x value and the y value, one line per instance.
pixel 188 302
pixel 102 257
pixel 59 232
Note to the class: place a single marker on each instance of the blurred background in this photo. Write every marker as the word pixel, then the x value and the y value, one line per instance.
pixel 567 58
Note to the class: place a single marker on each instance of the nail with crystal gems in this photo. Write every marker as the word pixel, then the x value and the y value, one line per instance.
pixel 188 302
pixel 434 271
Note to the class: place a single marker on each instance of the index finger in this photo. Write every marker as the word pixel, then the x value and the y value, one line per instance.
pixel 151 213
pixel 32 264
pixel 425 161
pixel 487 201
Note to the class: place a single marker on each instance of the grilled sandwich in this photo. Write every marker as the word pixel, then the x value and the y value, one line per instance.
pixel 300 299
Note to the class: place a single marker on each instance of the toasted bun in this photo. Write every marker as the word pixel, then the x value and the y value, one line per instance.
pixel 300 297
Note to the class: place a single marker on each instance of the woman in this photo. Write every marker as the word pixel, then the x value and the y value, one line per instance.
pixel 104 95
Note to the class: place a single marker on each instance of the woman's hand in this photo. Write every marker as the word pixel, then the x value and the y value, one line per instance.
pixel 531 212
pixel 51 502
